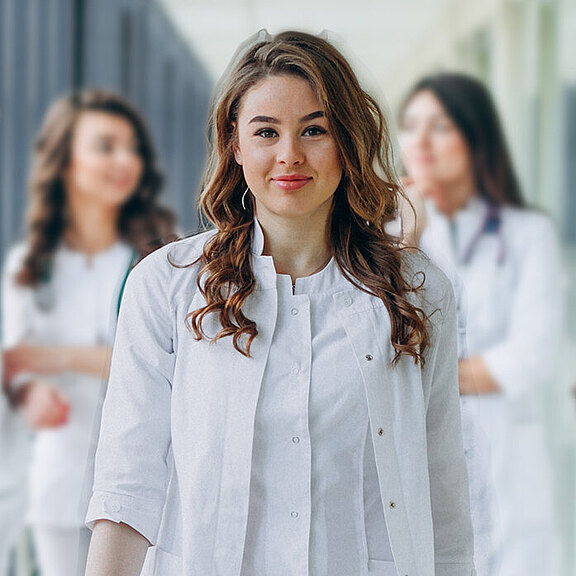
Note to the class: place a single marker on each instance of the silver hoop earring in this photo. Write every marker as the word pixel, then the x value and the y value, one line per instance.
pixel 244 198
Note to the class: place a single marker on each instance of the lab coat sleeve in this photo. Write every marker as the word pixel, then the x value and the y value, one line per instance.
pixel 18 308
pixel 17 301
pixel 132 459
pixel 453 539
pixel 528 353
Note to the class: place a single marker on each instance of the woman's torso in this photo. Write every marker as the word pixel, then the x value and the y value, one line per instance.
pixel 77 307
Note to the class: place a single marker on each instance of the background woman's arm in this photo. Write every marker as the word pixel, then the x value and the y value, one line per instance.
pixel 527 355
pixel 45 360
pixel 116 549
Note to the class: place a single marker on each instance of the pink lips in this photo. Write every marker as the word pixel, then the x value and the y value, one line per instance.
pixel 291 181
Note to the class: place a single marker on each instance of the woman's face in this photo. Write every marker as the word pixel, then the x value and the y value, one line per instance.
pixel 105 163
pixel 433 149
pixel 287 152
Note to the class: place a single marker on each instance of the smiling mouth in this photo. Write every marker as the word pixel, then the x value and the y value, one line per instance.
pixel 292 182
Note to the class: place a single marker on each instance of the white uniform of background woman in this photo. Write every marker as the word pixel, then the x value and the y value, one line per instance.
pixel 92 211
pixel 473 222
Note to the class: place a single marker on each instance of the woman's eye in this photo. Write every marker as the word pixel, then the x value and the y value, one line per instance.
pixel 266 133
pixel 103 146
pixel 407 126
pixel 314 131
pixel 442 127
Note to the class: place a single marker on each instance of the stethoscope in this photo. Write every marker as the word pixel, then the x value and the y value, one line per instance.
pixel 45 294
pixel 491 224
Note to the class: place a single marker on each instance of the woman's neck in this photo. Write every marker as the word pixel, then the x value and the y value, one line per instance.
pixel 455 195
pixel 91 228
pixel 298 249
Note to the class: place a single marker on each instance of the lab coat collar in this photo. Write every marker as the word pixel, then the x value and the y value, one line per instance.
pixel 257 238
pixel 329 279
pixel 467 222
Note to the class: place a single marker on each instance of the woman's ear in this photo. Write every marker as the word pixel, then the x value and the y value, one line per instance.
pixel 237 154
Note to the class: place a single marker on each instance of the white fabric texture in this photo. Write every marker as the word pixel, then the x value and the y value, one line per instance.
pixel 511 292
pixel 175 452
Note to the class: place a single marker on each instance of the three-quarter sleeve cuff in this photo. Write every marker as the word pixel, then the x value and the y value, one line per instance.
pixel 141 514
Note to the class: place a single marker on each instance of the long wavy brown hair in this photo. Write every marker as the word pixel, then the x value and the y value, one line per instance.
pixel 366 198
pixel 142 222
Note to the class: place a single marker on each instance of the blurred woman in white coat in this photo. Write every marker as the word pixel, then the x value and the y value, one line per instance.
pixel 93 209
pixel 473 221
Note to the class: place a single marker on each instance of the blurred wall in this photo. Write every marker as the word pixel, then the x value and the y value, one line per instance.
pixel 48 47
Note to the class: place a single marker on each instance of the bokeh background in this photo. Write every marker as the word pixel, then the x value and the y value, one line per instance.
pixel 166 55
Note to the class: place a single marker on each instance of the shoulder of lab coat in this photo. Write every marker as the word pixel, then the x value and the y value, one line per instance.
pixel 140 378
pixel 529 353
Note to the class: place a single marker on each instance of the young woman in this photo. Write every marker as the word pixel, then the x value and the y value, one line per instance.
pixel 92 215
pixel 283 396
pixel 506 259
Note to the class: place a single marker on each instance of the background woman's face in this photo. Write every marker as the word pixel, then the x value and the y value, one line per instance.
pixel 433 149
pixel 105 163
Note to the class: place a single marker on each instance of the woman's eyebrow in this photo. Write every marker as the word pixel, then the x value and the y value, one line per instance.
pixel 272 120
pixel 313 116
pixel 266 119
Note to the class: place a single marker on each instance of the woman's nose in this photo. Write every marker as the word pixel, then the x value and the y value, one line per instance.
pixel 126 157
pixel 421 138
pixel 290 151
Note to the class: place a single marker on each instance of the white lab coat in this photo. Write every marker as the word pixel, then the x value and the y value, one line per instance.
pixel 513 320
pixel 175 449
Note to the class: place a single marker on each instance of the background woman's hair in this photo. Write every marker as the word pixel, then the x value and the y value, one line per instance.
pixel 142 222
pixel 469 104
pixel 366 198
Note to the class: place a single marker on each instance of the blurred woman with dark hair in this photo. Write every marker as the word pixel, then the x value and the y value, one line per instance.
pixel 93 214
pixel 474 222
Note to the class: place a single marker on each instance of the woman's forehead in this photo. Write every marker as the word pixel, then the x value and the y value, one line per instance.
pixel 280 95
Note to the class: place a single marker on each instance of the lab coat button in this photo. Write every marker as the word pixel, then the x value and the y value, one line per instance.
pixel 295 439
pixel 380 431
pixel 347 301
pixel 112 506
pixel 294 514
pixel 392 504
pixel 294 311
pixel 369 357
